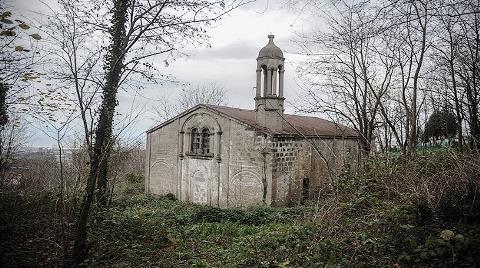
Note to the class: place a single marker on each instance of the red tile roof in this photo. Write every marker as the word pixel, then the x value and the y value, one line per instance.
pixel 306 125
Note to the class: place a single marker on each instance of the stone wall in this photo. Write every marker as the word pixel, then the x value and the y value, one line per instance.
pixel 296 159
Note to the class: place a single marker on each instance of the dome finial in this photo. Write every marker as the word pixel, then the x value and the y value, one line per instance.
pixel 270 50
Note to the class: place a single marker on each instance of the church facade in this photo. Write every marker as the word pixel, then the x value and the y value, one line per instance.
pixel 230 157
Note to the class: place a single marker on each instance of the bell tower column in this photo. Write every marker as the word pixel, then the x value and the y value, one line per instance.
pixel 274 82
pixel 280 82
pixel 259 83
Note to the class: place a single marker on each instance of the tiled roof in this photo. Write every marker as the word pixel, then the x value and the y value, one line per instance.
pixel 306 125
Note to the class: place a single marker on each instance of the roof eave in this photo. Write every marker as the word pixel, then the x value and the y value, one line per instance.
pixel 198 106
pixel 318 136
pixel 150 130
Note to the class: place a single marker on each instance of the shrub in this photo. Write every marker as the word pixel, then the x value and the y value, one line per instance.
pixel 460 205
pixel 134 178
pixel 441 184
pixel 446 249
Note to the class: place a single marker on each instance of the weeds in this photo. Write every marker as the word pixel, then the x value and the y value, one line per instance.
pixel 419 212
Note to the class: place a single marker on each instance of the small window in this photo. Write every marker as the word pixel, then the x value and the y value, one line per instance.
pixel 205 141
pixel 195 145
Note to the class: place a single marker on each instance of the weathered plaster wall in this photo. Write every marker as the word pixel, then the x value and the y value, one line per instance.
pixel 234 175
pixel 249 167
pixel 162 152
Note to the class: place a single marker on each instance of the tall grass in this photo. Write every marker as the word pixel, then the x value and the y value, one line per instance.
pixel 420 211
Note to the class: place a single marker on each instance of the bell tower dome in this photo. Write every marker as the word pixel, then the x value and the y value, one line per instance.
pixel 269 88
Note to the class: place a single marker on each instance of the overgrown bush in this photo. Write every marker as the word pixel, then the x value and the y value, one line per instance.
pixel 135 184
pixel 395 211
pixel 441 184
pixel 446 249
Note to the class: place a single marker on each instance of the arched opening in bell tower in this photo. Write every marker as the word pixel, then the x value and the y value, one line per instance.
pixel 263 90
pixel 270 81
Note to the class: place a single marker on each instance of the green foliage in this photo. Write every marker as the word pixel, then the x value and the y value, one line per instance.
pixel 135 184
pixel 460 204
pixel 441 124
pixel 253 216
pixel 133 178
pixel 377 218
pixel 29 229
pixel 446 249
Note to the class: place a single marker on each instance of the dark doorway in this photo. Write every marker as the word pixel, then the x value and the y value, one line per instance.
pixel 306 188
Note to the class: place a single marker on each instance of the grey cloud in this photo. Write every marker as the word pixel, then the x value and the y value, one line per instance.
pixel 231 51
pixel 236 50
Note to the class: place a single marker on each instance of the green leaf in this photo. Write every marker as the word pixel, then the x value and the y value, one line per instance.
pixel 36 36
pixel 24 26
pixel 19 48
pixel 424 255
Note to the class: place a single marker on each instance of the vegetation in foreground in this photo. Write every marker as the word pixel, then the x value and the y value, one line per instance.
pixel 399 212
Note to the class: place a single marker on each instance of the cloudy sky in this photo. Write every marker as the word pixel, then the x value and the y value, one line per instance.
pixel 230 62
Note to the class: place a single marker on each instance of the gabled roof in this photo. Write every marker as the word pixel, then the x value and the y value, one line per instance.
pixel 293 125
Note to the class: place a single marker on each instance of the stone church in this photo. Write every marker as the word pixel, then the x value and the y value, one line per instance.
pixel 230 157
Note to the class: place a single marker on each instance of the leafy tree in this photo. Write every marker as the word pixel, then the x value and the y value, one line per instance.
pixel 440 125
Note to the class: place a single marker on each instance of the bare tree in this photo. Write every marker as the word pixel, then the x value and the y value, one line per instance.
pixel 74 62
pixel 57 130
pixel 351 77
pixel 18 57
pixel 372 62
pixel 469 67
pixel 456 65
pixel 447 61
pixel 212 93
pixel 12 138
pixel 135 27
pixel 412 34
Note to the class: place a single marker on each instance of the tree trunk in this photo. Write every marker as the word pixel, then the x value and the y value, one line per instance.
pixel 101 147
pixel 413 113
pixel 103 133
pixel 3 122
pixel 3 104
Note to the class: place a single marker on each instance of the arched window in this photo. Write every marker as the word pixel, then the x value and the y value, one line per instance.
pixel 195 141
pixel 205 141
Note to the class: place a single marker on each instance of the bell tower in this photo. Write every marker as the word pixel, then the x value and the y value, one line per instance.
pixel 269 94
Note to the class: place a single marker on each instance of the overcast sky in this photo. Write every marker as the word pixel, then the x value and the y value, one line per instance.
pixel 230 62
